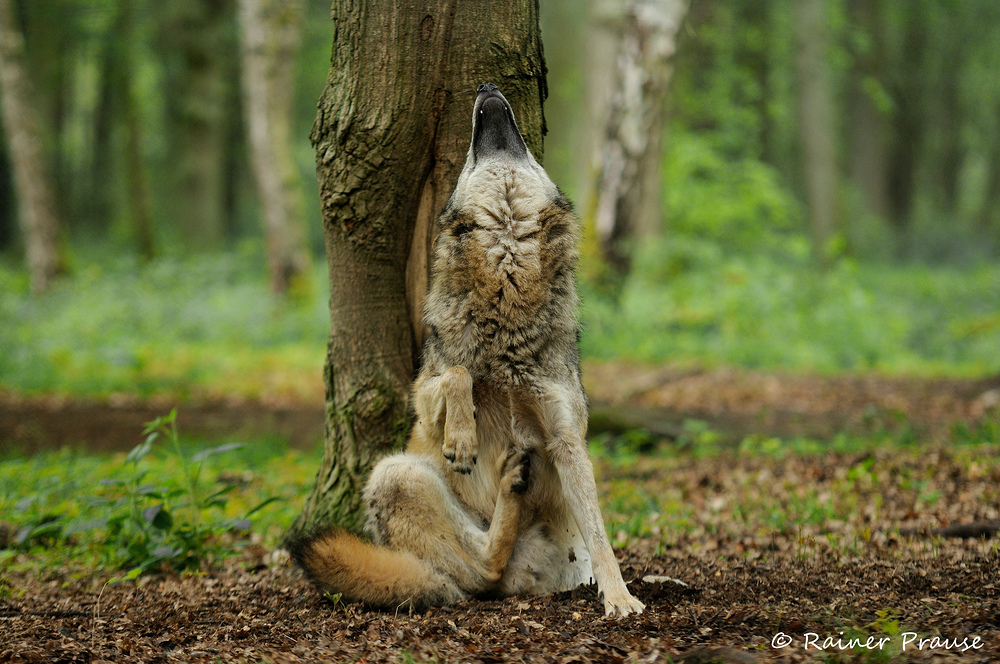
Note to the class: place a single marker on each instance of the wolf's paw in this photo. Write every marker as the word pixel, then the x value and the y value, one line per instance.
pixel 516 470
pixel 460 447
pixel 620 604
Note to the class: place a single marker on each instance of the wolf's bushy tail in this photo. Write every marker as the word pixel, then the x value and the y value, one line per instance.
pixel 339 562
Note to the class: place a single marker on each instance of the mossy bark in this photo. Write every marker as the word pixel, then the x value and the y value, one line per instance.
pixel 391 135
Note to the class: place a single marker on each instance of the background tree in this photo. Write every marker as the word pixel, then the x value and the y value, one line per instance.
pixel 35 194
pixel 7 208
pixel 626 189
pixel 391 135
pixel 125 45
pixel 271 32
pixel 867 107
pixel 816 124
pixel 908 91
pixel 198 44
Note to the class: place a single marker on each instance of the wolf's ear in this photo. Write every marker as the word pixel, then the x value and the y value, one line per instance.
pixel 456 223
pixel 447 217
pixel 562 202
pixel 558 221
pixel 559 209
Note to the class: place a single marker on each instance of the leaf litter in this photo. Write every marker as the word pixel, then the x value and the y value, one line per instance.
pixel 768 546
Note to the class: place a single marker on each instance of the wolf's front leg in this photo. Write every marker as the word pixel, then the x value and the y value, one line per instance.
pixel 445 410
pixel 580 489
pixel 567 448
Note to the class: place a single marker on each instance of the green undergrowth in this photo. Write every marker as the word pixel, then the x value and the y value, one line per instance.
pixel 169 502
pixel 180 327
pixel 184 504
pixel 207 325
pixel 688 300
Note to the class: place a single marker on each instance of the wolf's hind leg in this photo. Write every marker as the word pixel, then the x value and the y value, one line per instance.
pixel 446 414
pixel 411 508
pixel 503 531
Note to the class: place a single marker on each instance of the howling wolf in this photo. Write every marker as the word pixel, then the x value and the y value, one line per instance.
pixel 495 493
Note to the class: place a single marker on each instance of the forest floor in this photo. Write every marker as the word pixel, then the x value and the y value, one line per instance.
pixel 747 591
pixel 801 550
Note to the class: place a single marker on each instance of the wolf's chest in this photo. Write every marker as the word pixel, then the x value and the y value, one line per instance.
pixel 499 347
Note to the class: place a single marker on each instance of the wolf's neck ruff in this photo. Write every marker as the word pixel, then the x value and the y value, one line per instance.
pixel 503 297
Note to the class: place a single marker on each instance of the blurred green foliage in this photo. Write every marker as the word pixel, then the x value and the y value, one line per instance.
pixel 202 323
pixel 915 94
pixel 732 162
pixel 689 300
pixel 729 281
pixel 208 325
pixel 739 204
pixel 178 63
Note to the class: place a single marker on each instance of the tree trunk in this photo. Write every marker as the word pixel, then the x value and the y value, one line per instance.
pixel 816 125
pixel 866 122
pixel 393 128
pixel 138 183
pixel 138 180
pixel 270 38
pixel 35 196
pixel 97 203
pixel 627 179
pixel 987 221
pixel 196 38
pixel 7 209
pixel 908 121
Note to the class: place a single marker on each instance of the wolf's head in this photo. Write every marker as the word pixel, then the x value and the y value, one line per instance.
pixel 498 153
pixel 494 129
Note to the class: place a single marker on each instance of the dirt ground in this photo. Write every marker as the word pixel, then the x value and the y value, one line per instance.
pixel 269 613
pixel 748 590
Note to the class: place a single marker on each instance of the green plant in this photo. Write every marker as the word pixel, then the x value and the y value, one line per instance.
pixel 168 521
pixel 61 502
pixel 699 438
pixel 333 598
pixel 6 590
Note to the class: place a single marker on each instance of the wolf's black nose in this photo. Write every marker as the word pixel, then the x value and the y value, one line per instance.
pixel 485 87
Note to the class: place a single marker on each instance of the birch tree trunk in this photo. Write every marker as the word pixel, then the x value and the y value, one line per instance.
pixel 816 125
pixel 393 128
pixel 271 33
pixel 627 179
pixel 35 195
